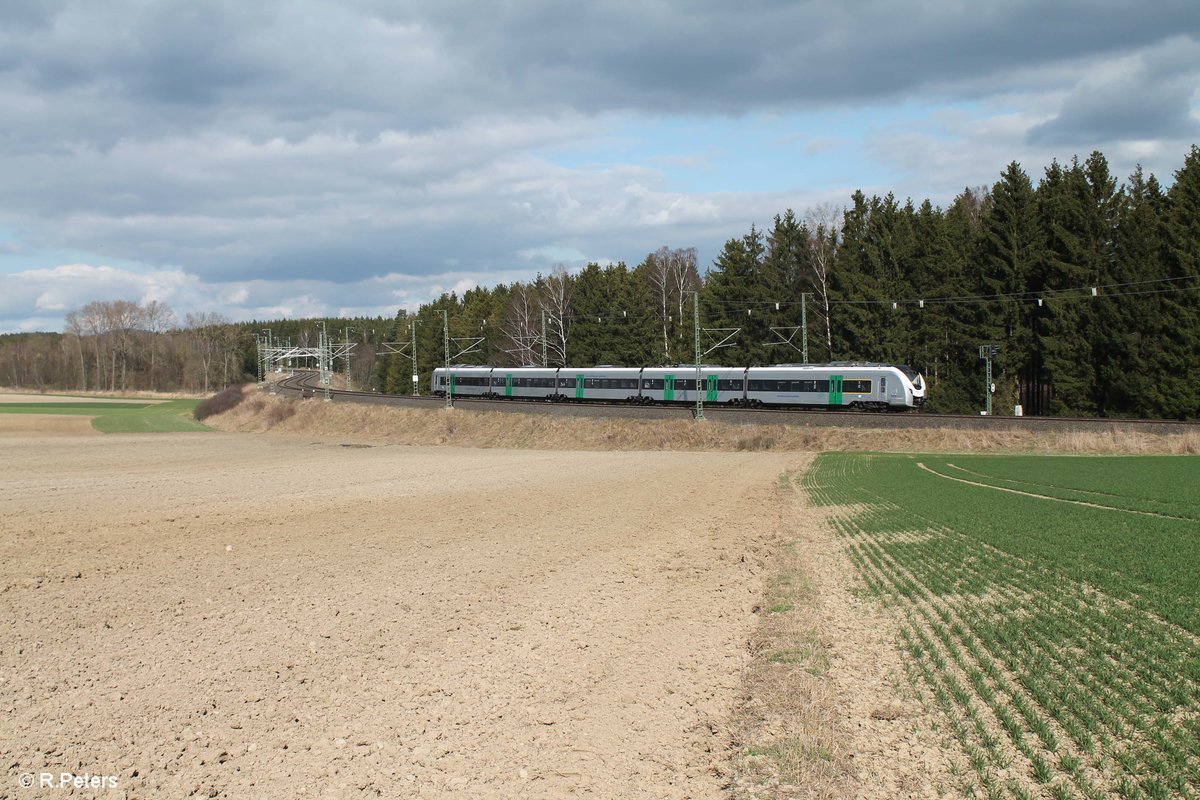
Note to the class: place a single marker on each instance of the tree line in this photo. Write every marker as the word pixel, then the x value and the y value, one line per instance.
pixel 1086 286
pixel 1088 289
pixel 120 345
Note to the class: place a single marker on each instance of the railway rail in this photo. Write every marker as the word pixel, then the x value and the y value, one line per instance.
pixel 306 384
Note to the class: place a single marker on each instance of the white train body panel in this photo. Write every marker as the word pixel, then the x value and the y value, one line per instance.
pixel 831 386
pixel 599 383
pixel 724 385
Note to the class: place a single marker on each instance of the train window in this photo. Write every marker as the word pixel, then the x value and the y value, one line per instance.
pixel 883 385
pixel 652 383
pixel 856 386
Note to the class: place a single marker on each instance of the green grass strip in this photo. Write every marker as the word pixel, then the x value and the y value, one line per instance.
pixel 174 416
pixel 83 409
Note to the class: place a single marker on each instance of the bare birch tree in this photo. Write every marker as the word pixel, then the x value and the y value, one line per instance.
pixel 520 328
pixel 672 276
pixel 686 279
pixel 823 225
pixel 658 277
pixel 556 300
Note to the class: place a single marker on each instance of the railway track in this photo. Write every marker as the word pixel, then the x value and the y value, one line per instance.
pixel 306 384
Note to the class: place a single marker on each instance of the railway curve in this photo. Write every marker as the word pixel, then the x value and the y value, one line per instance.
pixel 306 384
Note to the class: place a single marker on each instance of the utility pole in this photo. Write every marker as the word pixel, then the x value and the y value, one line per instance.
pixel 699 413
pixel 804 326
pixel 449 376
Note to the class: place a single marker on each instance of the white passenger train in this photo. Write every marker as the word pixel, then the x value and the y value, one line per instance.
pixel 840 385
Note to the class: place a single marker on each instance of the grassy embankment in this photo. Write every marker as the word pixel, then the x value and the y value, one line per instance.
pixel 250 410
pixel 1050 609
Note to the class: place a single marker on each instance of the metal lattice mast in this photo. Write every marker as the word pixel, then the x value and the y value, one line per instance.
pixel 349 385
pixel 261 351
pixel 449 376
pixel 987 352
pixel 271 358
pixel 804 326
pixel 545 360
pixel 323 358
pixel 416 390
pixel 696 336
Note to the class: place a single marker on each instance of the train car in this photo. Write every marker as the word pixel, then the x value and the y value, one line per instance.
pixel 531 383
pixel 678 384
pixel 612 384
pixel 462 380
pixel 879 387
pixel 840 385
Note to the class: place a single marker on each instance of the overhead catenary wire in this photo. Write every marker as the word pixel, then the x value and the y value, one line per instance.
pixel 1088 292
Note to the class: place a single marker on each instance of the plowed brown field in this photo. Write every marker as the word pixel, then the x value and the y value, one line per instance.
pixel 280 616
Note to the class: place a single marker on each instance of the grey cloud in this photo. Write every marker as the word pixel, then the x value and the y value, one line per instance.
pixel 1144 97
pixel 329 141
pixel 420 65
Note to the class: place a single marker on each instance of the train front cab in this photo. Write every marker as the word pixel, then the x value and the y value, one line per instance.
pixel 820 386
pixel 914 386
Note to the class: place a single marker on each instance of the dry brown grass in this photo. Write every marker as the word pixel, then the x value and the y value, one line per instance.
pixel 785 734
pixel 220 402
pixel 101 393
pixel 468 428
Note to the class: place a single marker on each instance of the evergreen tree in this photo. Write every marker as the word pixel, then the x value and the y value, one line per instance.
pixel 1009 251
pixel 1173 381
pixel 850 287
pixel 938 271
pixel 787 274
pixel 734 296
pixel 1131 322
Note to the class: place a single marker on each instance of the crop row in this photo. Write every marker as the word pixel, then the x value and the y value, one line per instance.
pixel 1051 685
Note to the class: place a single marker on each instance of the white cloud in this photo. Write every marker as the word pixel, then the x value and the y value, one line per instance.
pixel 70 286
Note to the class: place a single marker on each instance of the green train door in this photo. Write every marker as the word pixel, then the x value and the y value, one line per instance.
pixel 835 390
pixel 508 385
pixel 578 387
pixel 710 385
pixel 668 388
pixel 452 384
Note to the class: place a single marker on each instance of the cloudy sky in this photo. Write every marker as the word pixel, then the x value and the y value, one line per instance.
pixel 288 158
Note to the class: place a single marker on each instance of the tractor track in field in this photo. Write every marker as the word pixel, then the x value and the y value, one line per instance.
pixel 1049 497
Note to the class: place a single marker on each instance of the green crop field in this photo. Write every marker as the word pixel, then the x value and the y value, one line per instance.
pixel 171 416
pixel 1050 607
